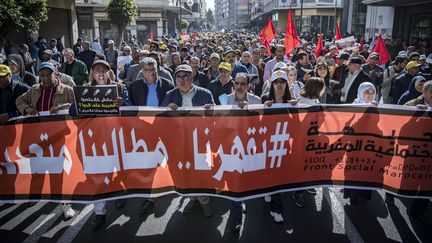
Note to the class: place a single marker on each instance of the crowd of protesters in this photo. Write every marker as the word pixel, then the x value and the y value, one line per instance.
pixel 216 69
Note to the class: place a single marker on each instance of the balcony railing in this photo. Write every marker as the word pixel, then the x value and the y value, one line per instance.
pixel 140 3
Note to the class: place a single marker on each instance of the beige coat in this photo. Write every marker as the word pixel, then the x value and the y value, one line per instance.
pixel 63 98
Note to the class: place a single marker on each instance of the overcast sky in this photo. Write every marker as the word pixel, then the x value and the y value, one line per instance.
pixel 210 4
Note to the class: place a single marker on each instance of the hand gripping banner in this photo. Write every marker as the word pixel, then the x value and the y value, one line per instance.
pixel 227 152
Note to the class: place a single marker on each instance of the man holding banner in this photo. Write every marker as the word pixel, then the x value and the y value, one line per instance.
pixel 186 95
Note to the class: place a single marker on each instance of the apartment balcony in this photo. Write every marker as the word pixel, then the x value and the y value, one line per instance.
pixel 140 3
pixel 170 5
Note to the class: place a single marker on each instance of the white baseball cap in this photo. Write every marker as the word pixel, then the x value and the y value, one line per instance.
pixel 279 74
pixel 279 65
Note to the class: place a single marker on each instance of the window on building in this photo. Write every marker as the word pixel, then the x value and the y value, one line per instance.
pixel 421 26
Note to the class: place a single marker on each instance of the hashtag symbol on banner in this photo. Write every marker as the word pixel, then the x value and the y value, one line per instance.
pixel 278 140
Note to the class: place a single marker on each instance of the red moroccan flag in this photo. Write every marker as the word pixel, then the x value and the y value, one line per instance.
pixel 381 49
pixel 195 35
pixel 319 46
pixel 291 40
pixel 151 36
pixel 268 31
pixel 265 43
pixel 267 35
pixel 338 34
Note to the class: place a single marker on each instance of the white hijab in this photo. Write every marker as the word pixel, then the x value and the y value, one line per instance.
pixel 361 89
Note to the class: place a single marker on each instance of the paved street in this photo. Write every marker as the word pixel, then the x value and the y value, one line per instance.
pixel 325 219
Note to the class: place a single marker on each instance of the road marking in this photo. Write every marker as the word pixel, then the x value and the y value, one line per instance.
pixel 342 224
pixel 77 224
pixel 22 216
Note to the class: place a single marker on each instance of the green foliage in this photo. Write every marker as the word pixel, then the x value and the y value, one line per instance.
pixel 22 15
pixel 184 24
pixel 122 12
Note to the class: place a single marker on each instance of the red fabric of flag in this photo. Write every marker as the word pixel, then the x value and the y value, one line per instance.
pixel 267 35
pixel 380 48
pixel 265 43
pixel 268 31
pixel 195 35
pixel 338 34
pixel 291 40
pixel 319 46
pixel 151 36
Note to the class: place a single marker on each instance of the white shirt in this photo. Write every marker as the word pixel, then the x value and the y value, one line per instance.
pixel 348 82
pixel 187 98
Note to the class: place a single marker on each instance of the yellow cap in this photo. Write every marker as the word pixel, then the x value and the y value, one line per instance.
pixel 163 47
pixel 412 64
pixel 225 65
pixel 4 70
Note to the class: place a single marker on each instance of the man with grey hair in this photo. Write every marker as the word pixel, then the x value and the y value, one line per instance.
pixel 74 67
pixel 419 206
pixel 425 98
pixel 150 90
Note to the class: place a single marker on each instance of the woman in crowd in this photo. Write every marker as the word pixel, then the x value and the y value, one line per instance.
pixel 279 93
pixel 414 90
pixel 322 71
pixel 100 75
pixel 310 95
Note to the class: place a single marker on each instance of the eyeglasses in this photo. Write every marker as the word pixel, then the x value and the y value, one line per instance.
pixel 183 78
pixel 240 83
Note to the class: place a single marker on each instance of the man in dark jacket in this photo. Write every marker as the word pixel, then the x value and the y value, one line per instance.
pixel 28 60
pixel 401 83
pixel 151 90
pixel 9 92
pixel 356 76
pixel 223 84
pixel 19 74
pixel 87 55
pixel 74 67
pixel 187 94
pixel 303 66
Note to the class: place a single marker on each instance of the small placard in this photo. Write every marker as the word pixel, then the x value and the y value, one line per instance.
pixel 96 100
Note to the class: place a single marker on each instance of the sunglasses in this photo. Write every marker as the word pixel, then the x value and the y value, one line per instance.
pixel 279 81
pixel 182 78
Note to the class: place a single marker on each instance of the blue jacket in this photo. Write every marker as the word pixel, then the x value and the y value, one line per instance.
pixel 239 68
pixel 201 97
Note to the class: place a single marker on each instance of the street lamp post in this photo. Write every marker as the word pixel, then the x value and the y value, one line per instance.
pixel 180 24
pixel 301 16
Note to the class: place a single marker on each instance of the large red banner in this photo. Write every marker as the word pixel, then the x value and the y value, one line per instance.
pixel 232 153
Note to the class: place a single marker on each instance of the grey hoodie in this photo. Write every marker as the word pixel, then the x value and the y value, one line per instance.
pixel 27 78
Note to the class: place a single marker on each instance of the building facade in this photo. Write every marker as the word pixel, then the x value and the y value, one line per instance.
pixel 157 16
pixel 311 16
pixel 232 14
pixel 412 18
pixel 196 15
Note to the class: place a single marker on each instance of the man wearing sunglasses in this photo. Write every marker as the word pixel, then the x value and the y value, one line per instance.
pixel 241 97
